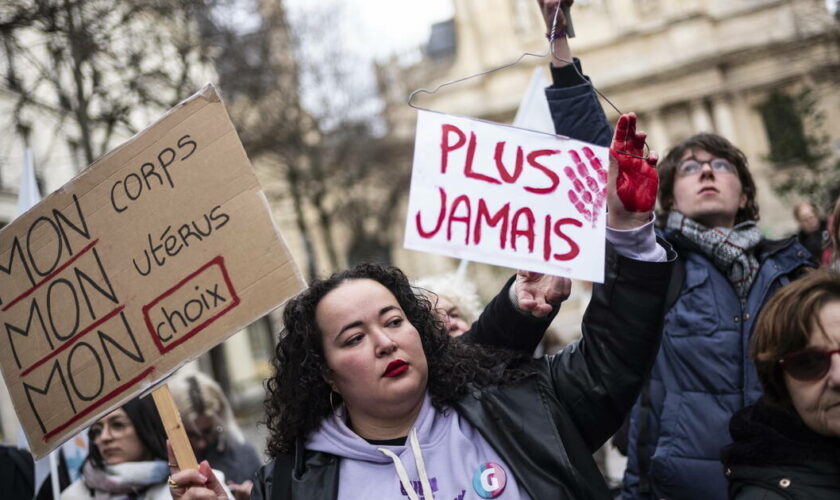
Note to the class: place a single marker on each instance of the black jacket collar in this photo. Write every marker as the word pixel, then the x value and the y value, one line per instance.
pixel 765 434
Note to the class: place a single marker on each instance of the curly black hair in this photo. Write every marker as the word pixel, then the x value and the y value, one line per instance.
pixel 298 397
pixel 720 147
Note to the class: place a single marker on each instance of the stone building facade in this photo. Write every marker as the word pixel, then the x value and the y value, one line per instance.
pixel 684 66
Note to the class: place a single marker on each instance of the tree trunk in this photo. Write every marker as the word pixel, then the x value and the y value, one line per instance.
pixel 325 224
pixel 81 111
pixel 293 178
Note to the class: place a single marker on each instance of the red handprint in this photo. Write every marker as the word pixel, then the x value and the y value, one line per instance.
pixel 589 193
pixel 637 180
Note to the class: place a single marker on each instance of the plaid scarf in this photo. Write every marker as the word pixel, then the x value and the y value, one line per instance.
pixel 125 480
pixel 730 249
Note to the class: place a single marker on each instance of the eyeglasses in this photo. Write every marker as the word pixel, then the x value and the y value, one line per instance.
pixel 808 364
pixel 692 166
pixel 116 427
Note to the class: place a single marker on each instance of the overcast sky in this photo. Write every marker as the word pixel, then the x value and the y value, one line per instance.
pixel 383 27
pixel 359 32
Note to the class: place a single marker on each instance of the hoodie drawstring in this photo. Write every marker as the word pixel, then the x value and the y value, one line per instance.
pixel 421 469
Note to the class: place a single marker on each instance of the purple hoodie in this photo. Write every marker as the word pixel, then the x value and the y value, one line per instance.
pixel 445 454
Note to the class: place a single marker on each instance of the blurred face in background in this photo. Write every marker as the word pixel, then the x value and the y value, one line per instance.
pixel 452 318
pixel 117 440
pixel 818 401
pixel 203 431
pixel 807 218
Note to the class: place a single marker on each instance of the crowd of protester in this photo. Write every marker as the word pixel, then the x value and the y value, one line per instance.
pixel 711 352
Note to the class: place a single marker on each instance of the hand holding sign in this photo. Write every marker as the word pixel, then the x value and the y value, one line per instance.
pixel 193 483
pixel 548 8
pixel 560 48
pixel 633 181
pixel 540 293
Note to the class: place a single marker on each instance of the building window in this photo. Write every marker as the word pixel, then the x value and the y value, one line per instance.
pixel 243 362
pixel 783 118
pixel 262 347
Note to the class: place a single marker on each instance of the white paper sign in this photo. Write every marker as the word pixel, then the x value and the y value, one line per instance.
pixel 507 196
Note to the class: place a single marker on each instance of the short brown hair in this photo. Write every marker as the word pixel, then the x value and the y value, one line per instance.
pixel 720 147
pixel 785 325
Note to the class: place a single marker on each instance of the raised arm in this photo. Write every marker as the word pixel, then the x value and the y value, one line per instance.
pixel 555 20
pixel 574 106
pixel 521 312
pixel 599 377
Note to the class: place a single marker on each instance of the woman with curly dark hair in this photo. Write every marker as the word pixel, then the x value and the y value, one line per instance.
pixel 373 399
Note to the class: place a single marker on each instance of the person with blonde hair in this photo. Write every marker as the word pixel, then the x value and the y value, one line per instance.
pixel 213 432
pixel 455 299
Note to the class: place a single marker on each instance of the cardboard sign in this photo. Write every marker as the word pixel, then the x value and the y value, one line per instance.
pixel 507 196
pixel 157 252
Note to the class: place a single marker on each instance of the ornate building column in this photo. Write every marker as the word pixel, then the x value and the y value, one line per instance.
pixel 654 124
pixel 701 120
pixel 724 118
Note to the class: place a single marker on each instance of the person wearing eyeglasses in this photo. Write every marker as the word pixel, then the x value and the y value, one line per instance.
pixel 703 373
pixel 127 457
pixel 727 270
pixel 787 445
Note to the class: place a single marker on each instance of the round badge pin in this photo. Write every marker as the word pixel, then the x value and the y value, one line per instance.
pixel 489 480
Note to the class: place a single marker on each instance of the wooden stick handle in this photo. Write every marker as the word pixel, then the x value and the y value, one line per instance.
pixel 174 428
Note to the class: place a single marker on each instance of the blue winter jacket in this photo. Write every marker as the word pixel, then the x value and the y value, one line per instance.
pixel 703 373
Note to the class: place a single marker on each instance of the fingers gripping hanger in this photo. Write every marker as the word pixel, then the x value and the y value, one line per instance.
pixel 551 37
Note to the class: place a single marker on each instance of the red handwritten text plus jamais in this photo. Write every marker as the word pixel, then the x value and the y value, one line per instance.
pixel 453 138
pixel 458 212
pixel 473 216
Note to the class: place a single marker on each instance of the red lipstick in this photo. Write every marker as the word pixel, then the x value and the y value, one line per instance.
pixel 395 368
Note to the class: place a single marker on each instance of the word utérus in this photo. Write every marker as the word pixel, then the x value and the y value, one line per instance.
pixel 170 243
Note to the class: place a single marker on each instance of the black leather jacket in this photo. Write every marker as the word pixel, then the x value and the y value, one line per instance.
pixel 547 426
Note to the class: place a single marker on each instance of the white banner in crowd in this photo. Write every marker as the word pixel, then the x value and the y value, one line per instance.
pixel 506 196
